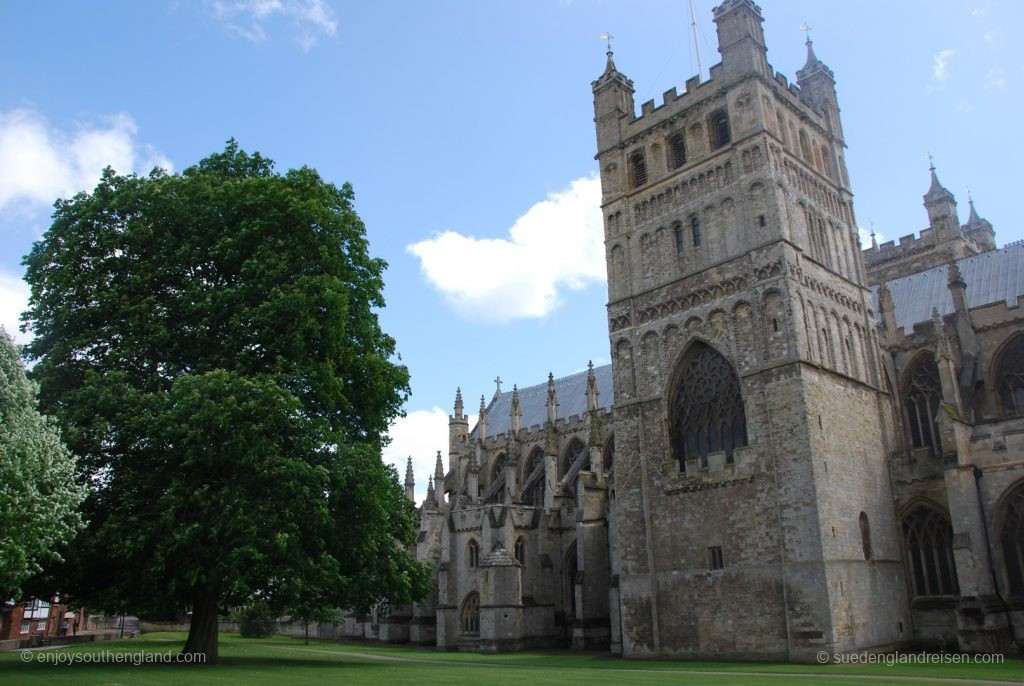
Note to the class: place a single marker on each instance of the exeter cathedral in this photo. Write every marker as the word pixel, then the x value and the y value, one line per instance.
pixel 799 446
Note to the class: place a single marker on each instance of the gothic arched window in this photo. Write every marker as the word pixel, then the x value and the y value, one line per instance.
pixel 570 572
pixel 638 169
pixel 520 550
pixel 1010 378
pixel 924 391
pixel 720 135
pixel 677 151
pixel 680 237
pixel 928 538
pixel 472 554
pixel 469 615
pixel 571 456
pixel 497 467
pixel 533 479
pixel 706 414
pixel 695 231
pixel 609 455
pixel 865 535
pixel 1011 540
pixel 496 480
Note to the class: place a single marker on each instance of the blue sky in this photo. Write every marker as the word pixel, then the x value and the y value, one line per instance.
pixel 466 130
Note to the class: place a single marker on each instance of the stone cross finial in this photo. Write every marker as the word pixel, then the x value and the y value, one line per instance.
pixel 497 381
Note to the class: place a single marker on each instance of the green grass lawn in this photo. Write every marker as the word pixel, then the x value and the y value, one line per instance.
pixel 284 661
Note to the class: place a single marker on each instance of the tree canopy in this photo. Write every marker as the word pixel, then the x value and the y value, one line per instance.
pixel 39 497
pixel 209 345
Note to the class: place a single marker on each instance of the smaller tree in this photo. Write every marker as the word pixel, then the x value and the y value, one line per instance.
pixel 256 621
pixel 39 496
pixel 313 609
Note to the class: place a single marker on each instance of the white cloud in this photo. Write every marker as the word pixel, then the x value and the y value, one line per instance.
pixel 310 19
pixel 419 434
pixel 940 64
pixel 865 237
pixel 13 301
pixel 995 77
pixel 39 163
pixel 558 243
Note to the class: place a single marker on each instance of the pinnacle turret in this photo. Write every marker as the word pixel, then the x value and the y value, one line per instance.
pixel 973 217
pixel 979 229
pixel 458 403
pixel 410 481
pixel 936 191
pixel 812 59
pixel 552 403
pixel 591 387
pixel 516 412
pixel 481 422
pixel 941 207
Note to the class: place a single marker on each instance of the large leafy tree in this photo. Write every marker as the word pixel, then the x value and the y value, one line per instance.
pixel 39 498
pixel 209 344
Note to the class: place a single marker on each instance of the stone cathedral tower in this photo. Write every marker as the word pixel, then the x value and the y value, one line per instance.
pixel 753 508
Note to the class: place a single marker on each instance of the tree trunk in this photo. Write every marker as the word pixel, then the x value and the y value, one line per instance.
pixel 306 622
pixel 202 631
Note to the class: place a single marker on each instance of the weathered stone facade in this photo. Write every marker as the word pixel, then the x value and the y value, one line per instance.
pixel 789 453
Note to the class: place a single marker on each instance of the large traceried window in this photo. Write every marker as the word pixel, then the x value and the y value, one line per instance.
pixel 924 391
pixel 469 615
pixel 1010 378
pixel 706 413
pixel 928 538
pixel 1011 540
